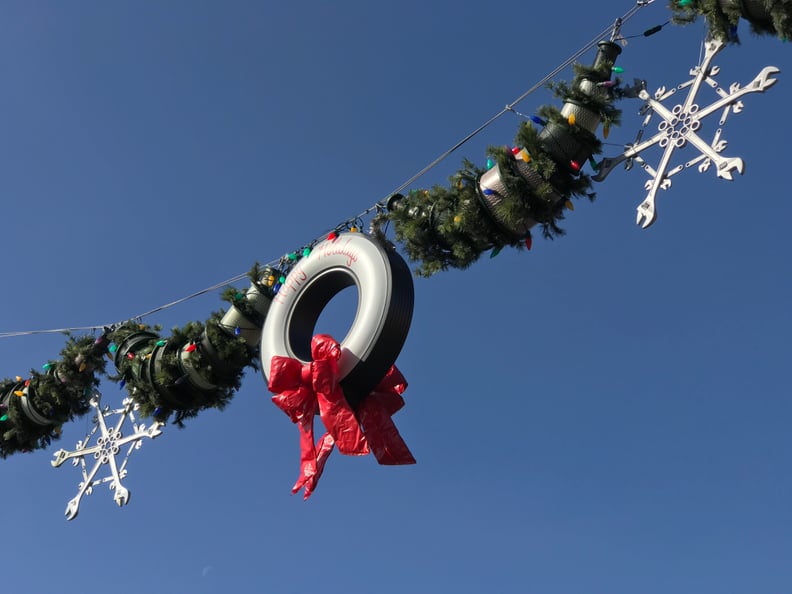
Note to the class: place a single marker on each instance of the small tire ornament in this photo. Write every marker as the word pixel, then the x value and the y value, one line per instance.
pixel 384 312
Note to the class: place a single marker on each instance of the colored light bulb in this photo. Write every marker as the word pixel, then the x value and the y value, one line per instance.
pixel 574 165
pixel 237 331
pixel 19 393
pixel 569 205
pixel 121 384
pixel 457 219
pixel 4 418
pixel 495 251
pixel 606 129
pixel 82 367
pixel 238 296
pixel 190 348
pixel 46 366
pixel 490 164
pixel 161 343
pixel 488 192
pixel 571 119
pixel 292 256
pixel 130 356
pixel 332 236
pixel 528 242
pixel 618 69
pixel 538 120
pixel 306 252
pixel 282 279
pixel 112 348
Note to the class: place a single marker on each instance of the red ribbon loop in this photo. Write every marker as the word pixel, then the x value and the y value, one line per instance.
pixel 302 388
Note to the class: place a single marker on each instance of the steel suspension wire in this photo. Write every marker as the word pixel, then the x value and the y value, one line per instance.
pixel 613 31
pixel 510 107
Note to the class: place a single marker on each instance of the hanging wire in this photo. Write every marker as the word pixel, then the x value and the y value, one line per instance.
pixel 510 107
pixel 284 263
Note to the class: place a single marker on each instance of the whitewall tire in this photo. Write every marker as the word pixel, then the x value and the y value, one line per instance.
pixel 384 311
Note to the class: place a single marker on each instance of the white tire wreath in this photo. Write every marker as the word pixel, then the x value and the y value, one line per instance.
pixel 385 305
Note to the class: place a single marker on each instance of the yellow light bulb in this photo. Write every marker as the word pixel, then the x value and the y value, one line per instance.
pixel 571 119
pixel 569 205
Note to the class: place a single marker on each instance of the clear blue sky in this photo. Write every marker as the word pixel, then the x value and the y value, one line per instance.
pixel 606 413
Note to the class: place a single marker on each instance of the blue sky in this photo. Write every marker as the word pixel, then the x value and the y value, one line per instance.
pixel 606 413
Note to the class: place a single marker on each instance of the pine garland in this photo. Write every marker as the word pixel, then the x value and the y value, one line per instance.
pixel 766 17
pixel 450 226
pixel 199 366
pixel 55 396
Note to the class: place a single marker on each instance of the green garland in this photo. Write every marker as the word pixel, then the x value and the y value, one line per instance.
pixel 450 226
pixel 199 366
pixel 56 396
pixel 766 17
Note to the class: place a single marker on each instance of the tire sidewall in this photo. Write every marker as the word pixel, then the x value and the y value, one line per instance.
pixel 352 259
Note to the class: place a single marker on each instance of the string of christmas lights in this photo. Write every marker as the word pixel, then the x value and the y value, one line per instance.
pixel 357 222
pixel 200 365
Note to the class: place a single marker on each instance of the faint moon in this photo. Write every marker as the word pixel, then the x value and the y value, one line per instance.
pixel 205 571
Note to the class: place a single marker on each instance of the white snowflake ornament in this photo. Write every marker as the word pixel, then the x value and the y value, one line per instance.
pixel 680 126
pixel 108 446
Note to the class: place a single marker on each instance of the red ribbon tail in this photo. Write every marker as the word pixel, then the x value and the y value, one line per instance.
pixel 307 453
pixel 383 437
pixel 340 421
pixel 311 473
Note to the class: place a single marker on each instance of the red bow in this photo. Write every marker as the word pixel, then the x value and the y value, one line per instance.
pixel 300 388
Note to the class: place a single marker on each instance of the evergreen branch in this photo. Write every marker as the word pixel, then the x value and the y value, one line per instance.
pixel 451 226
pixel 765 17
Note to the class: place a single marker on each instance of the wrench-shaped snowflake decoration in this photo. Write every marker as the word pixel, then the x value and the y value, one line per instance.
pixel 107 447
pixel 680 125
